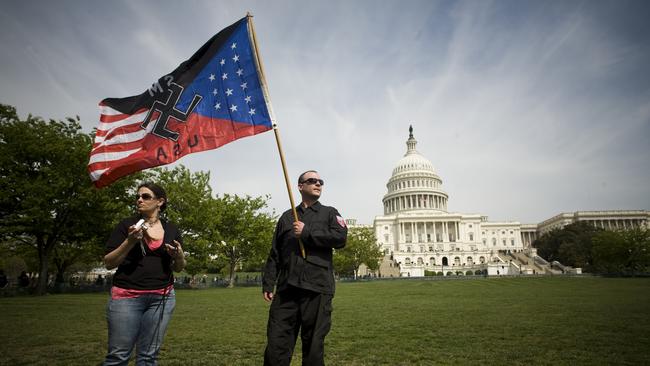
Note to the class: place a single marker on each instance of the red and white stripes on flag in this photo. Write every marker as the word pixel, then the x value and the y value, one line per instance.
pixel 118 137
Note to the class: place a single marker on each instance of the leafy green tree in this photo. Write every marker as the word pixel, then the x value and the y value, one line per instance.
pixel 570 245
pixel 15 259
pixel 65 255
pixel 217 231
pixel 609 252
pixel 193 208
pixel 229 230
pixel 622 252
pixel 360 248
pixel 344 263
pixel 46 197
pixel 548 245
pixel 244 230
pixel 638 246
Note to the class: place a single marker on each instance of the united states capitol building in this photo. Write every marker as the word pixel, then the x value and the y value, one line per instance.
pixel 419 236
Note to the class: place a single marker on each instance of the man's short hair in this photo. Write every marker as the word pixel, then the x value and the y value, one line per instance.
pixel 303 174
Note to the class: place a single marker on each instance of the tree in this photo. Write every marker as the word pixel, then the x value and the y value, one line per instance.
pixel 570 245
pixel 16 258
pixel 622 252
pixel 215 229
pixel 86 253
pixel 244 231
pixel 638 248
pixel 609 252
pixel 360 248
pixel 192 207
pixel 46 196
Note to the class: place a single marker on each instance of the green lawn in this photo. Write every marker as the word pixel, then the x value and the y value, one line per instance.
pixel 496 321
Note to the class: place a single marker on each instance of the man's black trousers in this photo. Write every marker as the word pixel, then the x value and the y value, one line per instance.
pixel 296 310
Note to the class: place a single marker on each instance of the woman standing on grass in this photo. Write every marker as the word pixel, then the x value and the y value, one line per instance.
pixel 145 249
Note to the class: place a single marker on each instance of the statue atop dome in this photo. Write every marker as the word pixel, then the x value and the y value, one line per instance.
pixel 411 142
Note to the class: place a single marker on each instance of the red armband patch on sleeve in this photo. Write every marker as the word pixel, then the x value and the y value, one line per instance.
pixel 341 221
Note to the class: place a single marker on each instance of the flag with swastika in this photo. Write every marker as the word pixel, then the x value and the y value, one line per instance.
pixel 211 99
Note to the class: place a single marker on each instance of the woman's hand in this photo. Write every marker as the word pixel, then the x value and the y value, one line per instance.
pixel 135 234
pixel 117 256
pixel 174 250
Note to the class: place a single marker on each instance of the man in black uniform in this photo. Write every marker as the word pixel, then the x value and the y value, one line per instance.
pixel 304 287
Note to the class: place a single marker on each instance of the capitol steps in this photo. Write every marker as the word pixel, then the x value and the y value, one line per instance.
pixel 526 264
pixel 388 267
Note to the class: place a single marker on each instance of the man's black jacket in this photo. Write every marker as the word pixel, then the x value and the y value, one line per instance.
pixel 324 230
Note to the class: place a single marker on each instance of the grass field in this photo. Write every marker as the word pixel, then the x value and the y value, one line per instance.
pixel 494 321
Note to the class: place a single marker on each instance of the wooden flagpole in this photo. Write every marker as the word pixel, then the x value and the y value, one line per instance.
pixel 260 71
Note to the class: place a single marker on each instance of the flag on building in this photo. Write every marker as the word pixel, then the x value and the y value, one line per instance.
pixel 211 99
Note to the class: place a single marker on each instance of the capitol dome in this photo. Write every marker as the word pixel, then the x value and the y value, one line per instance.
pixel 412 160
pixel 414 185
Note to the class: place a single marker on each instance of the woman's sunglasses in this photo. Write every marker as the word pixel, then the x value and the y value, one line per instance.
pixel 144 196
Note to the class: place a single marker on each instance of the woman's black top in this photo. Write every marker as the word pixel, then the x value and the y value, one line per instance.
pixel 150 270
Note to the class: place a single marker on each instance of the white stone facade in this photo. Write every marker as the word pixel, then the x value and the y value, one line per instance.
pixel 418 233
pixel 608 220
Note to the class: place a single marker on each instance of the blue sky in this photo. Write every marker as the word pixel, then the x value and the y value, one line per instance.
pixel 525 108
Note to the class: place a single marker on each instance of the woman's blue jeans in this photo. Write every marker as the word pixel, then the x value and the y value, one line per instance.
pixel 139 322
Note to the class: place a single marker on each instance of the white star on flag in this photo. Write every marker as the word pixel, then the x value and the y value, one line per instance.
pixel 233 46
pixel 211 77
pixel 224 76
pixel 217 106
pixel 233 108
pixel 236 58
pixel 252 111
pixel 214 92
pixel 244 86
pixel 248 99
pixel 229 92
pixel 240 72
pixel 222 62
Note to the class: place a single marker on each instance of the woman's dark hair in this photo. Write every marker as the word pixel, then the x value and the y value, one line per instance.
pixel 158 191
